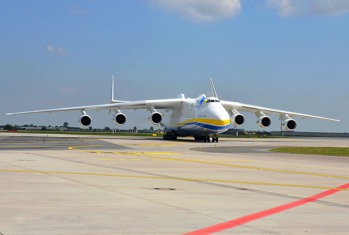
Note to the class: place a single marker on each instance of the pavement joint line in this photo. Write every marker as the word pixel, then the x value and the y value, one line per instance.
pixel 170 178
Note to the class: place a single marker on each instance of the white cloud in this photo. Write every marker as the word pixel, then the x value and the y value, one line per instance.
pixel 284 7
pixel 54 50
pixel 329 7
pixel 211 10
pixel 50 48
pixel 202 10
pixel 287 8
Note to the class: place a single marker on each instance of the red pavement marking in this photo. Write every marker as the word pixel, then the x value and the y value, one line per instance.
pixel 248 218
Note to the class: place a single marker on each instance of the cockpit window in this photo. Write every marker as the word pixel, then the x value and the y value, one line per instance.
pixel 209 100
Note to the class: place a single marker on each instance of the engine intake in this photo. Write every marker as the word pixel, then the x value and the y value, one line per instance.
pixel 156 118
pixel 264 121
pixel 289 124
pixel 119 119
pixel 85 121
pixel 238 119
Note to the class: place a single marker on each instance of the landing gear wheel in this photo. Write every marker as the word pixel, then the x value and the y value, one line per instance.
pixel 215 139
pixel 202 138
pixel 170 136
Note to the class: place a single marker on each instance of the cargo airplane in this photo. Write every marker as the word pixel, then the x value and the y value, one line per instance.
pixel 201 117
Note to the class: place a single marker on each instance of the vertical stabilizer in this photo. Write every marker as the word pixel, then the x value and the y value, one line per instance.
pixel 113 100
pixel 213 89
pixel 112 90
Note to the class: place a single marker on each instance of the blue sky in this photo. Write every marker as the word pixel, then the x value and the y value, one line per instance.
pixel 284 54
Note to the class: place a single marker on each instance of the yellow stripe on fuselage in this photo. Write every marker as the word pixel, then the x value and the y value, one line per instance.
pixel 208 121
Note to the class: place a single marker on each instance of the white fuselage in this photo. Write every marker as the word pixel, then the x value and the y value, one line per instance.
pixel 198 117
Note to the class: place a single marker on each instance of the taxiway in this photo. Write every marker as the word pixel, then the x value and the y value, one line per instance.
pixel 124 185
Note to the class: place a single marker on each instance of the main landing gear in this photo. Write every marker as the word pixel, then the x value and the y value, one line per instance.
pixel 170 136
pixel 206 138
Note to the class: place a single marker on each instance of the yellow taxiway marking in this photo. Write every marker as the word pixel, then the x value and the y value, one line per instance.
pixel 83 146
pixel 159 156
pixel 145 153
pixel 158 144
pixel 250 167
pixel 120 159
pixel 170 178
pixel 233 160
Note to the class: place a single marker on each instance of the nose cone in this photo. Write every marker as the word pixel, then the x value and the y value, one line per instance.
pixel 223 115
pixel 220 116
pixel 224 119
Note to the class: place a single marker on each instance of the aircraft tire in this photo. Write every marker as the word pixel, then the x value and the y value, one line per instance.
pixel 170 136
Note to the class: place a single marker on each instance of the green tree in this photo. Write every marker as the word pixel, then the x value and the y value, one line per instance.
pixel 9 127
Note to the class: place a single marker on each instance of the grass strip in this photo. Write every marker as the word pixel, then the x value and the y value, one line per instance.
pixel 324 151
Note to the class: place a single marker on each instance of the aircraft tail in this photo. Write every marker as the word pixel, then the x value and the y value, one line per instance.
pixel 213 89
pixel 113 92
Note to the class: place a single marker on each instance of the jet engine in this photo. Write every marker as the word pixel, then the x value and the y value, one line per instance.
pixel 156 118
pixel 237 118
pixel 263 121
pixel 85 121
pixel 289 124
pixel 119 119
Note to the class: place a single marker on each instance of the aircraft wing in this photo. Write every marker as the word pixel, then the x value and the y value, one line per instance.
pixel 143 104
pixel 228 105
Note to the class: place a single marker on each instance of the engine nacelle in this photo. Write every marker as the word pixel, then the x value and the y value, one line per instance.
pixel 85 121
pixel 237 119
pixel 289 124
pixel 156 118
pixel 119 119
pixel 264 121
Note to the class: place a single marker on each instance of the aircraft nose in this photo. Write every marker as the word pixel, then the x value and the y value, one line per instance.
pixel 220 118
pixel 223 117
